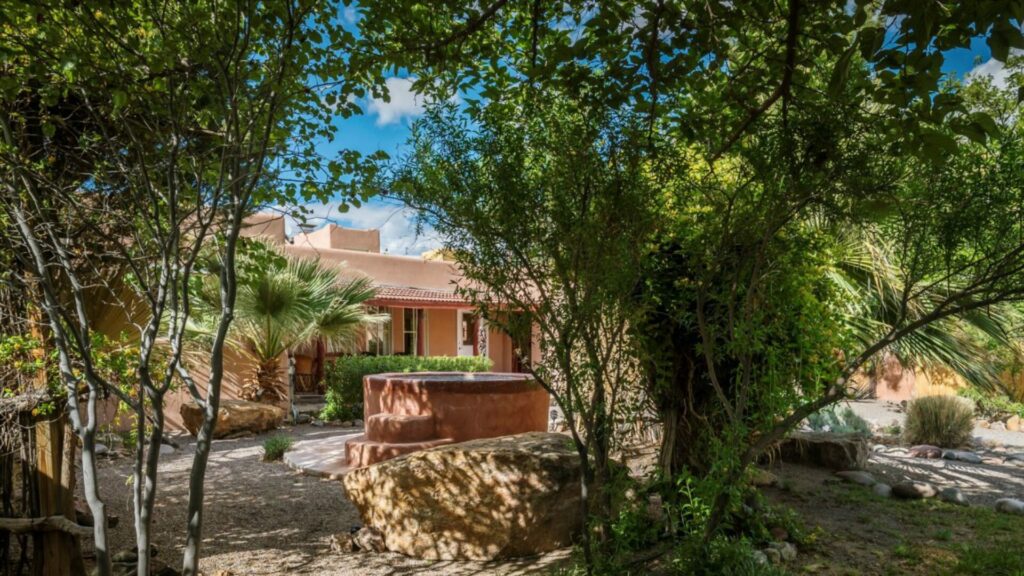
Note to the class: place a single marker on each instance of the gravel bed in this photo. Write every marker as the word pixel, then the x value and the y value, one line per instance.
pixel 264 518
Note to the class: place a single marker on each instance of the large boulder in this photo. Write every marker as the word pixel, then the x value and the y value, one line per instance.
pixel 479 500
pixel 234 417
pixel 833 451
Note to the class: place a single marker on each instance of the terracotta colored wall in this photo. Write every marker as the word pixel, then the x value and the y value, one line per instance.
pixel 397 331
pixel 894 382
pixel 499 348
pixel 442 327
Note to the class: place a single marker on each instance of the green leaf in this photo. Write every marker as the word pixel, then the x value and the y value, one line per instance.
pixel 841 72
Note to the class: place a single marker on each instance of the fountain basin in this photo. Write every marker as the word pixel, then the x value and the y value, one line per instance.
pixel 409 411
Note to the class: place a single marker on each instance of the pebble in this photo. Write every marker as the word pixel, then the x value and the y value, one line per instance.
pixel 1010 506
pixel 953 495
pixel 882 489
pixel 911 490
pixel 786 550
pixel 925 451
pixel 857 477
pixel 962 456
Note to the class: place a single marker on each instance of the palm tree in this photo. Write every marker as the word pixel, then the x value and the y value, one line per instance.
pixel 875 300
pixel 285 302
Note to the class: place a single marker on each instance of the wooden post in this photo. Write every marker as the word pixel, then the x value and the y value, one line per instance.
pixel 53 498
pixel 55 493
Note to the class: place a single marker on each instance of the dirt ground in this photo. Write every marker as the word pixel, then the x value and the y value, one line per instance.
pixel 264 518
pixel 852 532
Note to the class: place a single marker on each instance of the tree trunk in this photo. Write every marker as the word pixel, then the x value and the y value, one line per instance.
pixel 145 481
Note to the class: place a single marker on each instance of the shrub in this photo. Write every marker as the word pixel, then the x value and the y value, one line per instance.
pixel 845 422
pixel 275 447
pixel 946 421
pixel 992 405
pixel 344 377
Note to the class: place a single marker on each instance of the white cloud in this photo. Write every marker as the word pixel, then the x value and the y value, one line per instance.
pixel 404 102
pixel 995 70
pixel 350 14
pixel 396 222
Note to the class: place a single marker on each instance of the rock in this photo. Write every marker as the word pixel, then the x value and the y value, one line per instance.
pixel 925 451
pixel 834 451
pixel 479 500
pixel 234 416
pixel 100 449
pixel 1015 459
pixel 761 478
pixel 1000 426
pixel 983 424
pixel 882 489
pixel 345 424
pixel 773 555
pixel 1010 506
pixel 779 534
pixel 760 558
pixel 125 556
pixel 303 418
pixel 368 539
pixel 1013 423
pixel 961 456
pixel 357 423
pixel 317 423
pixel 879 448
pixel 911 490
pixel 786 550
pixel 953 495
pixel 342 543
pixel 166 449
pixel 857 477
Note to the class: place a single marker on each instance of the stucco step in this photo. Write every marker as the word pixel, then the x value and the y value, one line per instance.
pixel 399 429
pixel 362 452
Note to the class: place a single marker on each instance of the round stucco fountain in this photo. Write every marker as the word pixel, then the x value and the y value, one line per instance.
pixel 406 412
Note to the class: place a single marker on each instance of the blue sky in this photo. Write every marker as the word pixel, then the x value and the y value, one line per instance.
pixel 385 126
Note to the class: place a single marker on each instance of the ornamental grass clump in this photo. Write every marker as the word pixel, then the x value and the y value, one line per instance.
pixel 945 421
pixel 275 447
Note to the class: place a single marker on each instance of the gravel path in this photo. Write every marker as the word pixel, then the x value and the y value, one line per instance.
pixel 263 518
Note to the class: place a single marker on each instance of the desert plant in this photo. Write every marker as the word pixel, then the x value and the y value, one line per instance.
pixel 344 377
pixel 285 302
pixel 274 447
pixel 843 422
pixel 946 421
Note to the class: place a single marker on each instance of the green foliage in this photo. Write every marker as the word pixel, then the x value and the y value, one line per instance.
pixel 274 447
pixel 845 421
pixel 944 421
pixel 344 377
pixel 992 404
pixel 283 302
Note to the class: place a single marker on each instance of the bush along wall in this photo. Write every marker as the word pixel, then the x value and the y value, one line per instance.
pixel 344 377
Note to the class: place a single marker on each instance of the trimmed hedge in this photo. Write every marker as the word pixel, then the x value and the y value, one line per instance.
pixel 344 377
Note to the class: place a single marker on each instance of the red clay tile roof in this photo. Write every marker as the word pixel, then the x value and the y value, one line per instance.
pixel 417 297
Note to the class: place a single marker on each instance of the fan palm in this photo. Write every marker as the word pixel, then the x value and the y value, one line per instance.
pixel 286 302
pixel 873 293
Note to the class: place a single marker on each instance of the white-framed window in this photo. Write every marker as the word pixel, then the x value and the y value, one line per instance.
pixel 410 330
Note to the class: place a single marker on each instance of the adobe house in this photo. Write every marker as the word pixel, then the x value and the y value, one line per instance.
pixel 428 317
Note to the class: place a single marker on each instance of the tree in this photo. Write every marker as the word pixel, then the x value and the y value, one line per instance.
pixel 135 136
pixel 771 129
pixel 284 302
